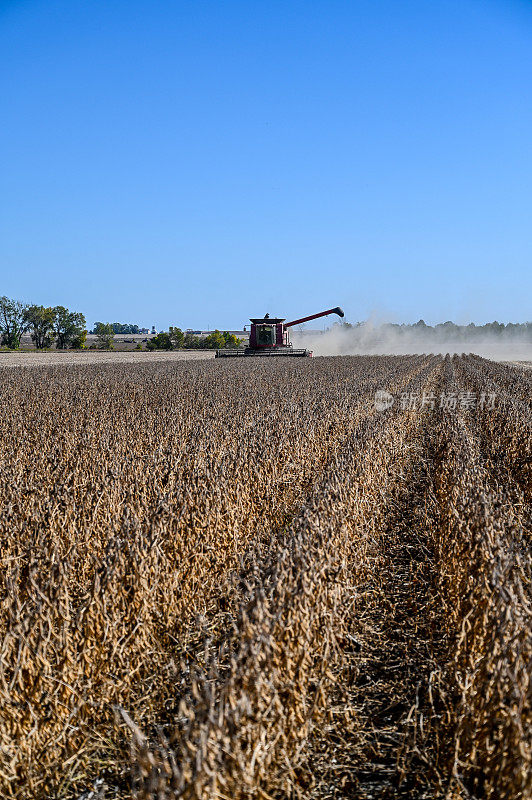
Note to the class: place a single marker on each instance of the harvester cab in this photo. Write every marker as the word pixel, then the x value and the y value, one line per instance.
pixel 269 336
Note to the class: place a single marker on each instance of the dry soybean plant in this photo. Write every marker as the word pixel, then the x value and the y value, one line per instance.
pixel 247 580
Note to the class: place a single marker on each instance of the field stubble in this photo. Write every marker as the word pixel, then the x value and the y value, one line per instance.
pixel 240 581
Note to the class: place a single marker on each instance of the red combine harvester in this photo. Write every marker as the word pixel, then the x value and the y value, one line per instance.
pixel 269 337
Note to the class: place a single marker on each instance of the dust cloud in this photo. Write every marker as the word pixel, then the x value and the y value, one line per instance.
pixel 510 343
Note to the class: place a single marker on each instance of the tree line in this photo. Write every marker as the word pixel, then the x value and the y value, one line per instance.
pixel 172 339
pixel 445 331
pixel 175 339
pixel 46 325
pixel 120 328
pixel 63 328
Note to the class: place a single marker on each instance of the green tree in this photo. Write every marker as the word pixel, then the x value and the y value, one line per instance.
pixel 160 342
pixel 13 322
pixel 68 326
pixel 177 337
pixel 105 335
pixel 79 342
pixel 120 327
pixel 230 340
pixel 40 321
pixel 214 340
pixel 192 342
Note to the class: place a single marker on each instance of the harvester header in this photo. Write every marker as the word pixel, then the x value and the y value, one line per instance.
pixel 269 336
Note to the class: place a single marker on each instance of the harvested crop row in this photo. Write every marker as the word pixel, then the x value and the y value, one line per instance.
pixel 394 637
pixel 434 707
pixel 477 708
pixel 244 729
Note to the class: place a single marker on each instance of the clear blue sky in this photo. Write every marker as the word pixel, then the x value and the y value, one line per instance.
pixel 197 163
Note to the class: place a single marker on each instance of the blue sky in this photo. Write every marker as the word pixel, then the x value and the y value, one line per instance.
pixel 198 163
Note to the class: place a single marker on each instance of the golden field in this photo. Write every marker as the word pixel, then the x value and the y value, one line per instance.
pixel 242 580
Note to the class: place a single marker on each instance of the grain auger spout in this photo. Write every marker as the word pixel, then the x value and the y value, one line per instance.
pixel 336 310
pixel 269 336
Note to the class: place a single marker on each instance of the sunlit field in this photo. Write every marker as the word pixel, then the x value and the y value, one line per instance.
pixel 250 580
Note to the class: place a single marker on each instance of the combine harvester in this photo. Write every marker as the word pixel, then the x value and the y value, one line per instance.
pixel 269 337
